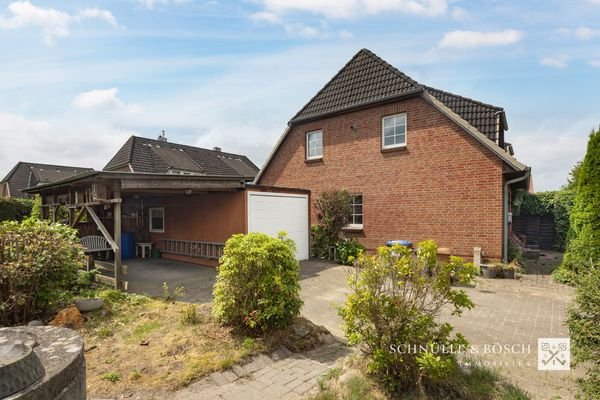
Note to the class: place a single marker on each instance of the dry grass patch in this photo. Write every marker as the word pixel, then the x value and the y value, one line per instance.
pixel 138 343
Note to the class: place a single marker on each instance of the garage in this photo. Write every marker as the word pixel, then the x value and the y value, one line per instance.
pixel 271 212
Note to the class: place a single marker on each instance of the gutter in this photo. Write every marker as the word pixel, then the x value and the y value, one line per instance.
pixel 505 213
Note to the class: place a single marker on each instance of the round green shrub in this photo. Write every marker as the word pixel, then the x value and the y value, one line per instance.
pixel 258 283
pixel 39 262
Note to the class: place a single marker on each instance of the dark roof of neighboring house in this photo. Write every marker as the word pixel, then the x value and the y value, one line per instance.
pixel 368 79
pixel 25 174
pixel 159 157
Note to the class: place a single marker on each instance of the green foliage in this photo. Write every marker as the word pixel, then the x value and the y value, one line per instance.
pixel 177 293
pixel 38 268
pixel 348 250
pixel 394 302
pixel 15 209
pixel 583 249
pixel 320 242
pixel 257 287
pixel 515 253
pixel 333 210
pixel 113 377
pixel 190 316
pixel 573 179
pixel 584 326
pixel 557 204
pixel 36 208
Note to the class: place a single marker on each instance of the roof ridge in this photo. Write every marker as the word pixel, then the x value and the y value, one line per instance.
pixel 161 143
pixel 328 82
pixel 391 67
pixel 481 103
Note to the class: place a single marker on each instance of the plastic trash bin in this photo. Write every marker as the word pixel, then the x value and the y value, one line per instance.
pixel 127 245
pixel 405 243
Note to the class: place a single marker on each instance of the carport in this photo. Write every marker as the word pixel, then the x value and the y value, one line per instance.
pixel 187 217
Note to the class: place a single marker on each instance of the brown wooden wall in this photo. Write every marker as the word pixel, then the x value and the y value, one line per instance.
pixel 539 230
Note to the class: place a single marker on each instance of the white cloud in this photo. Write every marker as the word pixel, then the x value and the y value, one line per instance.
pixel 292 28
pixel 100 14
pixel 459 13
pixel 554 62
pixel 105 99
pixel 151 4
pixel 58 142
pixel 355 8
pixel 474 39
pixel 53 23
pixel 344 34
pixel 594 63
pixel 581 32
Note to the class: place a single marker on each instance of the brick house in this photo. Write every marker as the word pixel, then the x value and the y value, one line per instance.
pixel 422 163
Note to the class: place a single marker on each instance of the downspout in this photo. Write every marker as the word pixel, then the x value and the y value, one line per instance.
pixel 505 216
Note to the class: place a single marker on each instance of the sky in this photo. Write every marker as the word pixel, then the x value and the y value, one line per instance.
pixel 77 78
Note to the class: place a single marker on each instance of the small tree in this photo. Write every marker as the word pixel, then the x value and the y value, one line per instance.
pixel 258 283
pixel 38 268
pixel 584 326
pixel 395 300
pixel 583 249
pixel 333 211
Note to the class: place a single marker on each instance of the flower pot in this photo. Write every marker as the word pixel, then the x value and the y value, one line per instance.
pixel 489 271
pixel 508 273
pixel 86 305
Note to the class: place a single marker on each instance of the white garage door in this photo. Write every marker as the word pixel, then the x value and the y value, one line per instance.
pixel 273 212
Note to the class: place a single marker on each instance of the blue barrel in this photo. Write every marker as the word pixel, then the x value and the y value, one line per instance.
pixel 127 245
pixel 404 243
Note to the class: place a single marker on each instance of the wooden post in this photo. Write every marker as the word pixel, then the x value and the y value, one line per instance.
pixel 117 236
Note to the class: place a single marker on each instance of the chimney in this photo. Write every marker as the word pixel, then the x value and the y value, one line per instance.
pixel 216 148
pixel 162 137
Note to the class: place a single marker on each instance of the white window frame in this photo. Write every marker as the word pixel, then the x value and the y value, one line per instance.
pixel 397 145
pixel 353 225
pixel 150 216
pixel 308 134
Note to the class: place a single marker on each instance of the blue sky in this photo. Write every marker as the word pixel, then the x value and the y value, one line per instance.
pixel 79 77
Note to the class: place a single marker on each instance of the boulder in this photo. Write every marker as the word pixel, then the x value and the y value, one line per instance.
pixel 70 317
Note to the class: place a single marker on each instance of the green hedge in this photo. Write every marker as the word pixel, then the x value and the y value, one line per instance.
pixel 15 209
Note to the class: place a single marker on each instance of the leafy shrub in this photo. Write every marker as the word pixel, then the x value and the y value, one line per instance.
pixel 333 212
pixel 38 268
pixel 15 209
pixel 320 242
pixel 583 249
pixel 257 287
pixel 584 326
pixel 189 315
pixel 394 302
pixel 348 250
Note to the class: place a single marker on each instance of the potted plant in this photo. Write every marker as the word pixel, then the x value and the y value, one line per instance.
pixel 489 271
pixel 509 270
pixel 87 301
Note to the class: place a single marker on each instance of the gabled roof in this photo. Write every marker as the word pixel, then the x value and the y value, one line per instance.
pixel 159 157
pixel 26 174
pixel 367 79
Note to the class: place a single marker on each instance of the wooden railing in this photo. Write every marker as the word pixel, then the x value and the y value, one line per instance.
pixel 193 248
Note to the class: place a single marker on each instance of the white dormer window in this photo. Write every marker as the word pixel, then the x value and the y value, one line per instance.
pixel 393 131
pixel 314 145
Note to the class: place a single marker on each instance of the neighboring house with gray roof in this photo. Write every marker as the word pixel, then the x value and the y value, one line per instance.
pixel 421 162
pixel 25 174
pixel 144 155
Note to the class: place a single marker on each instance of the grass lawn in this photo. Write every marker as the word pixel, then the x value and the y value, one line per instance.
pixel 138 343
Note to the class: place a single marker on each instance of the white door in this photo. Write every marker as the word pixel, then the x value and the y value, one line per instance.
pixel 273 212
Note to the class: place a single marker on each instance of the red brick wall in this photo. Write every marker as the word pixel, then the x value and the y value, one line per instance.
pixel 444 185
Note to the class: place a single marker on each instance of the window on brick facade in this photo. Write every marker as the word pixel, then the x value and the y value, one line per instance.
pixel 393 131
pixel 356 217
pixel 314 145
pixel 157 219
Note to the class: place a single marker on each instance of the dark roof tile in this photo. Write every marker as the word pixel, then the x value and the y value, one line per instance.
pixel 26 174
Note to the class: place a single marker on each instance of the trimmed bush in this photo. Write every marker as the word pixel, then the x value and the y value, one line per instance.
pixel 15 209
pixel 258 283
pixel 584 326
pixel 333 211
pixel 38 268
pixel 583 249
pixel 395 300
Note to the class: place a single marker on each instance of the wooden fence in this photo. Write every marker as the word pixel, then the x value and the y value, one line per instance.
pixel 539 230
